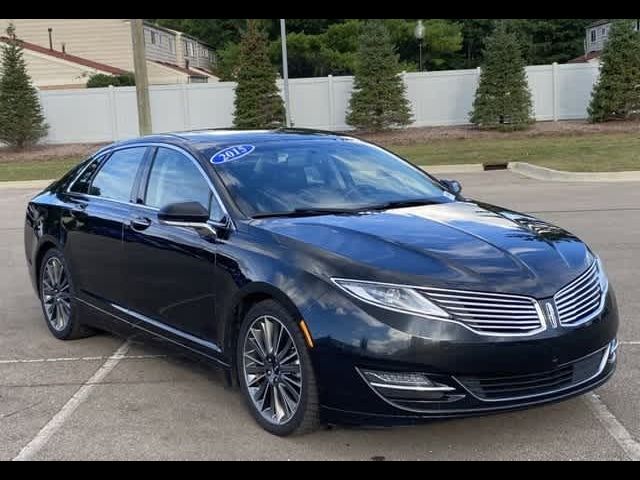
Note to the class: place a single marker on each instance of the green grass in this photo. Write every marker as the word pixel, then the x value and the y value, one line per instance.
pixel 600 152
pixel 580 153
pixel 36 169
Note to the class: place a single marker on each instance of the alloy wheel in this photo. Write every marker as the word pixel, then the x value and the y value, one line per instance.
pixel 56 296
pixel 272 369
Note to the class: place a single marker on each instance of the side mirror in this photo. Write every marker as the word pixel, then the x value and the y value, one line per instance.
pixel 453 186
pixel 186 214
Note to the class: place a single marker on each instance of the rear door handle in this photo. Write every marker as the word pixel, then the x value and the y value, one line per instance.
pixel 140 223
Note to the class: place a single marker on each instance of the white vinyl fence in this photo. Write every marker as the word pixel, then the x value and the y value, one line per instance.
pixel 560 92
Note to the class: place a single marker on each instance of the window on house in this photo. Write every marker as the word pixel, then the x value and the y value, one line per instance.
pixel 191 50
pixel 603 32
pixel 154 36
pixel 593 35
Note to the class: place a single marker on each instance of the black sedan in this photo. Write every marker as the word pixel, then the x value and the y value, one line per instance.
pixel 332 280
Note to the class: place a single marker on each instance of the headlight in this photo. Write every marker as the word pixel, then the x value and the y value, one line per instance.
pixel 393 297
pixel 602 277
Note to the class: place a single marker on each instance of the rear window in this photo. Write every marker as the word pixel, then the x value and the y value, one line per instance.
pixel 116 178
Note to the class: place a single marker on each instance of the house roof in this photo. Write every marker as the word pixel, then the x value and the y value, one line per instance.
pixel 65 56
pixel 206 72
pixel 188 71
pixel 585 58
pixel 598 22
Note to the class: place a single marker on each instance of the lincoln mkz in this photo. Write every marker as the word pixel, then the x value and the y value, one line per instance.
pixel 333 281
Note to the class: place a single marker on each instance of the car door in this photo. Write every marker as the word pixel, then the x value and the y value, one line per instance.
pixel 170 281
pixel 97 209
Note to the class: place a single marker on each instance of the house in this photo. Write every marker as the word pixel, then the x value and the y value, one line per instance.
pixel 595 38
pixel 64 53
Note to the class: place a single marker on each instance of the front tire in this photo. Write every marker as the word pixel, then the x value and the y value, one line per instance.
pixel 57 297
pixel 275 372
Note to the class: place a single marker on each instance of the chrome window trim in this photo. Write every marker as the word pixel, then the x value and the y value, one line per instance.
pixel 110 151
pixel 603 364
pixel 96 158
pixel 536 304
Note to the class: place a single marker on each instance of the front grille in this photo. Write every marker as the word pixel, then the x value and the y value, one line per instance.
pixel 579 300
pixel 490 313
pixel 536 384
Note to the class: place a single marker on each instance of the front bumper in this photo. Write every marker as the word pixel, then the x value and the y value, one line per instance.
pixel 486 374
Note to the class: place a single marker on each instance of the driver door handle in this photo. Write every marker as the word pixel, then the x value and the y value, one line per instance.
pixel 140 223
pixel 78 211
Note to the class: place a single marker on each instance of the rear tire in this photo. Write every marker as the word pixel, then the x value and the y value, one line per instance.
pixel 57 297
pixel 275 372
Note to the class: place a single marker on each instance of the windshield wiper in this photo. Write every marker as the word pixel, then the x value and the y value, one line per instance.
pixel 302 212
pixel 415 202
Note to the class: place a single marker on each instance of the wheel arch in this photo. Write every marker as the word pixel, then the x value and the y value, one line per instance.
pixel 248 296
pixel 45 244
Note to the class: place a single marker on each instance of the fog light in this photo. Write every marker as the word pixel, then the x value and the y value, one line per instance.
pixel 406 385
pixel 398 378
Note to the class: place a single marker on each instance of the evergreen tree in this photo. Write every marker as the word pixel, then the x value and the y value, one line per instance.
pixel 378 100
pixel 258 103
pixel 617 93
pixel 21 119
pixel 503 99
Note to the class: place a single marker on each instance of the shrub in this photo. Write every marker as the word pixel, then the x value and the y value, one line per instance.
pixel 258 103
pixel 503 99
pixel 21 119
pixel 378 100
pixel 617 93
pixel 99 80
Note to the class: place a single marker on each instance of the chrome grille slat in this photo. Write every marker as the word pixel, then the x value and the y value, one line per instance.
pixel 505 327
pixel 580 299
pixel 495 315
pixel 577 282
pixel 506 322
pixel 489 313
pixel 478 298
pixel 580 291
pixel 482 310
pixel 575 304
pixel 579 313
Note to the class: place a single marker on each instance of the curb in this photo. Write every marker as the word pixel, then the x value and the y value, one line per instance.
pixel 25 184
pixel 543 173
pixel 456 168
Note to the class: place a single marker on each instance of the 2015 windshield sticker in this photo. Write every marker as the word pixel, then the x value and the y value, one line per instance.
pixel 232 153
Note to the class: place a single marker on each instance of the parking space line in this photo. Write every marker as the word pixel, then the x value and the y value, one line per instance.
pixel 630 343
pixel 619 433
pixel 76 359
pixel 43 436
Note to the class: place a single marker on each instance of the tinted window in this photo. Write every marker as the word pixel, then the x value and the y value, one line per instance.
pixel 174 178
pixel 81 185
pixel 115 179
pixel 337 173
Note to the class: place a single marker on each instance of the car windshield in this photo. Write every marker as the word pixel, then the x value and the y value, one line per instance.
pixel 317 175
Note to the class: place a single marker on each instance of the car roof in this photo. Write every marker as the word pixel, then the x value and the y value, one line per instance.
pixel 201 140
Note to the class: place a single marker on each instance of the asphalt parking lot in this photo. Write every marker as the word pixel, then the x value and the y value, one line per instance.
pixel 75 400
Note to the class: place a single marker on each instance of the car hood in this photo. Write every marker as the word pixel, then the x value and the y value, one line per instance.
pixel 459 244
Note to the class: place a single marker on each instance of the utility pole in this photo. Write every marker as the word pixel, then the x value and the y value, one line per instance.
pixel 142 79
pixel 285 72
